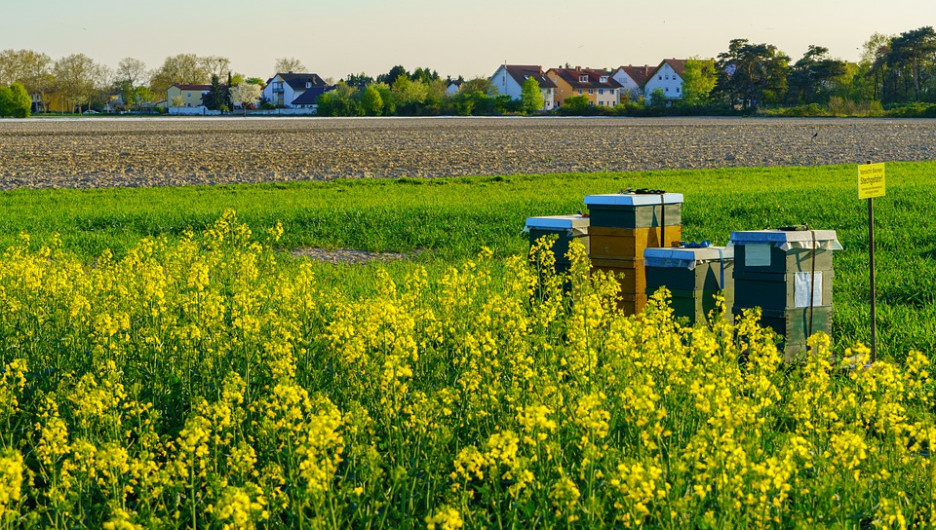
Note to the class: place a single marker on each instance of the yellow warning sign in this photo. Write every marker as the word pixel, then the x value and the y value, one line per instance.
pixel 870 181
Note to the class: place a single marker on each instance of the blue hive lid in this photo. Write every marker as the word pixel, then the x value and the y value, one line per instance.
pixel 786 240
pixel 632 199
pixel 557 222
pixel 685 258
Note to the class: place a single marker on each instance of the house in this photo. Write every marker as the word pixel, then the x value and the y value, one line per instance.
pixel 309 98
pixel 284 90
pixel 509 79
pixel 453 86
pixel 632 79
pixel 180 95
pixel 667 77
pixel 51 101
pixel 597 85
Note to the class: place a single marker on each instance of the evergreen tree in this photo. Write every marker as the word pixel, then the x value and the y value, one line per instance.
pixel 215 97
pixel 752 74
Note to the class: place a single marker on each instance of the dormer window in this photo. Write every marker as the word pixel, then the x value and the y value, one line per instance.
pixel 583 79
pixel 604 79
pixel 308 84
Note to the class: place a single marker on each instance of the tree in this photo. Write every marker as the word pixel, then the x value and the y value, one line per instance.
pixel 386 97
pixel 142 95
pixel 371 101
pixel 131 71
pixel 913 54
pixel 360 79
pixel 813 78
pixel 19 103
pixel 342 101
pixel 129 78
pixel 478 84
pixel 391 76
pixel 31 69
pixel 245 94
pixel 425 75
pixel 658 99
pixel 217 65
pixel 288 64
pixel 6 101
pixel 752 74
pixel 216 95
pixel 531 97
pixel 576 104
pixel 872 66
pixel 699 78
pixel 254 81
pixel 77 78
pixel 185 68
pixel 436 96
pixel 409 94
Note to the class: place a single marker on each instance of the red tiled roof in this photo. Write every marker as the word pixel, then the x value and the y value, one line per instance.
pixel 678 65
pixel 520 73
pixel 639 74
pixel 572 75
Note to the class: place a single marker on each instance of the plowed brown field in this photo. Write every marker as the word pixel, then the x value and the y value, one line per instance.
pixel 169 152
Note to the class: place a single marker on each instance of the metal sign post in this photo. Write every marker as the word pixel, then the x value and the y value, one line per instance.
pixel 871 184
pixel 873 296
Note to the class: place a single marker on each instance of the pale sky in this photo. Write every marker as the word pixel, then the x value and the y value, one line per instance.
pixel 465 37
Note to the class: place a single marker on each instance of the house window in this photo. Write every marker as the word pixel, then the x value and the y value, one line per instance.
pixel 308 84
pixel 601 91
pixel 677 90
pixel 583 79
pixel 604 79
pixel 591 90
pixel 580 91
pixel 667 89
pixel 659 78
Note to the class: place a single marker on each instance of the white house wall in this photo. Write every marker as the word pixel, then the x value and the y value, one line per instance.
pixel 549 95
pixel 666 80
pixel 288 93
pixel 627 84
pixel 505 84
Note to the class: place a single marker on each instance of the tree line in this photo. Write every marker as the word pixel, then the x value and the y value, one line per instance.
pixel 895 74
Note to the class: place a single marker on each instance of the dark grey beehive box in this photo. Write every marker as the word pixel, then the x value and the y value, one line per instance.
pixel 629 210
pixel 566 227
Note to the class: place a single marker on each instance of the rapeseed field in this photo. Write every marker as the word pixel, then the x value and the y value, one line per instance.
pixel 210 381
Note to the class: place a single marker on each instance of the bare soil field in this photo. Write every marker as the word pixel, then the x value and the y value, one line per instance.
pixel 41 153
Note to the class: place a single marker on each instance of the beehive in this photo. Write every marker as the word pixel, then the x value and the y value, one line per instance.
pixel 789 275
pixel 567 228
pixel 626 224
pixel 693 276
pixel 631 210
pixel 616 243
pixel 630 273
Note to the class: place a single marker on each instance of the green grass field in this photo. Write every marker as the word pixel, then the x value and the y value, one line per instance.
pixel 451 219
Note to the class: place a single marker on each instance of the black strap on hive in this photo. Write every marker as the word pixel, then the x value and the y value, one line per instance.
pixel 661 193
pixel 812 282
